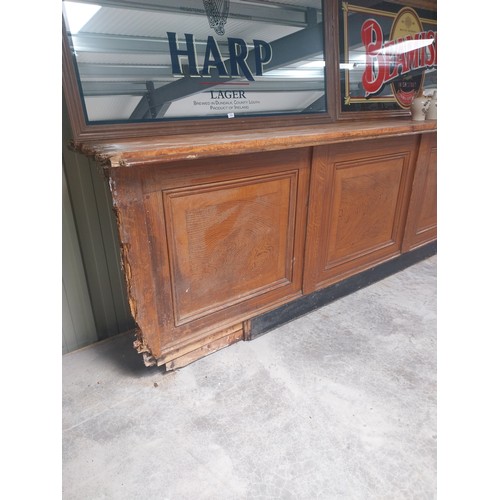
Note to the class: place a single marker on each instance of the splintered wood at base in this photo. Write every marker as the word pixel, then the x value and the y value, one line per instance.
pixel 141 348
pixel 204 351
pixel 192 351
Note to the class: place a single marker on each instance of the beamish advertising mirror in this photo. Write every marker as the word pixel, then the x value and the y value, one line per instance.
pixel 387 54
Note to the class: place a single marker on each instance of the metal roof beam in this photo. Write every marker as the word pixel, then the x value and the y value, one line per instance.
pixel 111 88
pixel 275 13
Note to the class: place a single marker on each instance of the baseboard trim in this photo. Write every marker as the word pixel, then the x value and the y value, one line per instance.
pixel 269 321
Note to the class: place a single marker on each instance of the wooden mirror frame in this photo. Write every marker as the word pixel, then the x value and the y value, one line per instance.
pixel 430 5
pixel 83 131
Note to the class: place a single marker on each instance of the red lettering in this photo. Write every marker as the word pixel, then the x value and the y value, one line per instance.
pixel 431 56
pixel 435 49
pixel 391 60
pixel 386 61
pixel 374 75
pixel 411 57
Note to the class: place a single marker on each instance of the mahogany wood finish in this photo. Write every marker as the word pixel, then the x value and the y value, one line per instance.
pixel 215 231
pixel 359 199
pixel 209 244
pixel 208 247
pixel 421 226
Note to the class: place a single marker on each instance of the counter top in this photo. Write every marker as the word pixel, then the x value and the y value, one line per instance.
pixel 156 150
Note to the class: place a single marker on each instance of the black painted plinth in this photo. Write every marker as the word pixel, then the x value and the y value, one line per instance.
pixel 303 305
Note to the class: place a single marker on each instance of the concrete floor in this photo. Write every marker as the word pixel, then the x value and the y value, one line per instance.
pixel 338 404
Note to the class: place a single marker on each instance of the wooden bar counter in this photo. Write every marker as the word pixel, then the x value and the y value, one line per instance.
pixel 221 229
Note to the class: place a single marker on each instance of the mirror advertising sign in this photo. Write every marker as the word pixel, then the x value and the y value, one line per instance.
pixel 166 60
pixel 387 55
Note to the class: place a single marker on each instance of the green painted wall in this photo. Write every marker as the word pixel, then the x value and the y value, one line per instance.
pixel 94 298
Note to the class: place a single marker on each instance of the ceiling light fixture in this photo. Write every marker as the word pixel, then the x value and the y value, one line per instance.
pixel 79 14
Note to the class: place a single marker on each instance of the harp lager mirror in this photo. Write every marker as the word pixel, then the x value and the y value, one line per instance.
pixel 171 60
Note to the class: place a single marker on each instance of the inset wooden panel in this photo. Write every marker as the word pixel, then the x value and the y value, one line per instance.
pixel 229 241
pixel 358 201
pixel 421 226
pixel 365 200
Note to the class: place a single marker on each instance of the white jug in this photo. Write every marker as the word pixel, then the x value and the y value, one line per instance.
pixel 419 107
pixel 432 110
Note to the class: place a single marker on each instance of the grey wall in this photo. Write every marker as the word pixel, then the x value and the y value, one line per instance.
pixel 94 304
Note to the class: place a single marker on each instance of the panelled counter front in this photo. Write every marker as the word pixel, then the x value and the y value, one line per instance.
pixel 216 234
pixel 261 156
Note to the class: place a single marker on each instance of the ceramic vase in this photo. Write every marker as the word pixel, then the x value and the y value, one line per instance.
pixel 432 109
pixel 419 107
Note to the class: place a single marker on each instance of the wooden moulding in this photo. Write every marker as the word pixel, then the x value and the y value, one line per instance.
pixel 183 356
pixel 160 150
pixel 201 348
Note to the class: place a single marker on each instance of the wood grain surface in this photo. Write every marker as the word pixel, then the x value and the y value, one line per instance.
pixel 160 150
pixel 422 215
pixel 208 244
pixel 358 203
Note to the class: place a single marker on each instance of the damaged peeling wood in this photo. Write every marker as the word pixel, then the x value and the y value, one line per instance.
pixel 197 349
pixel 124 250
pixel 148 359
pixel 199 341
pixel 208 346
